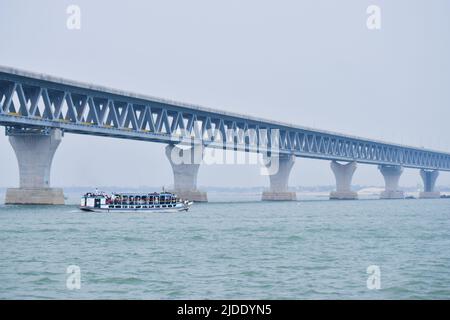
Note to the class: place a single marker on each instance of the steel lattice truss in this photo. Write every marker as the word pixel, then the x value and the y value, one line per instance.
pixel 35 101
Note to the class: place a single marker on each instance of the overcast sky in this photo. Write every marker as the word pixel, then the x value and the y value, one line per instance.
pixel 313 63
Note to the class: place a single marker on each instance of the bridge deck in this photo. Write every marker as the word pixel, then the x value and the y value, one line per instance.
pixel 35 100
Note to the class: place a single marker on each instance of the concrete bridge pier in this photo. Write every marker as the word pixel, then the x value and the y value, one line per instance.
pixel 429 178
pixel 185 164
pixel 34 150
pixel 343 174
pixel 391 176
pixel 279 168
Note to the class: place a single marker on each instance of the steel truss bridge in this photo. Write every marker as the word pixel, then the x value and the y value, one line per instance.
pixel 29 100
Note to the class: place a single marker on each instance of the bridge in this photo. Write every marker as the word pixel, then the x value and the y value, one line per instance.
pixel 37 110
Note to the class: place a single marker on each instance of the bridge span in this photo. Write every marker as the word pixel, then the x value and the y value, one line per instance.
pixel 38 109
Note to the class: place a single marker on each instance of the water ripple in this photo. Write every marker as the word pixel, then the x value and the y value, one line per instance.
pixel 301 250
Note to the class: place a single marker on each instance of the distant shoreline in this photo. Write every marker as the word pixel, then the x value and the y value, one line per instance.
pixel 298 189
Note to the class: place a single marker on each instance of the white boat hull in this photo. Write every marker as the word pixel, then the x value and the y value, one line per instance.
pixel 129 202
pixel 184 207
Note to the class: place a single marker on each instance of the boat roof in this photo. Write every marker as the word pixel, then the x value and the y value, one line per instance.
pixel 142 194
pixel 130 194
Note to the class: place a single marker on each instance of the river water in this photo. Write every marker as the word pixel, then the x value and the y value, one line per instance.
pixel 222 250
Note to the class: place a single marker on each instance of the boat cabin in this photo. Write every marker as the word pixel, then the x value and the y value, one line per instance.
pixel 130 200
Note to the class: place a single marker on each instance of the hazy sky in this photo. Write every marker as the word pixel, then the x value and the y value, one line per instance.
pixel 312 63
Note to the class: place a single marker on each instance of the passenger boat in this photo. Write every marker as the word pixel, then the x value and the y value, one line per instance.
pixel 133 202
